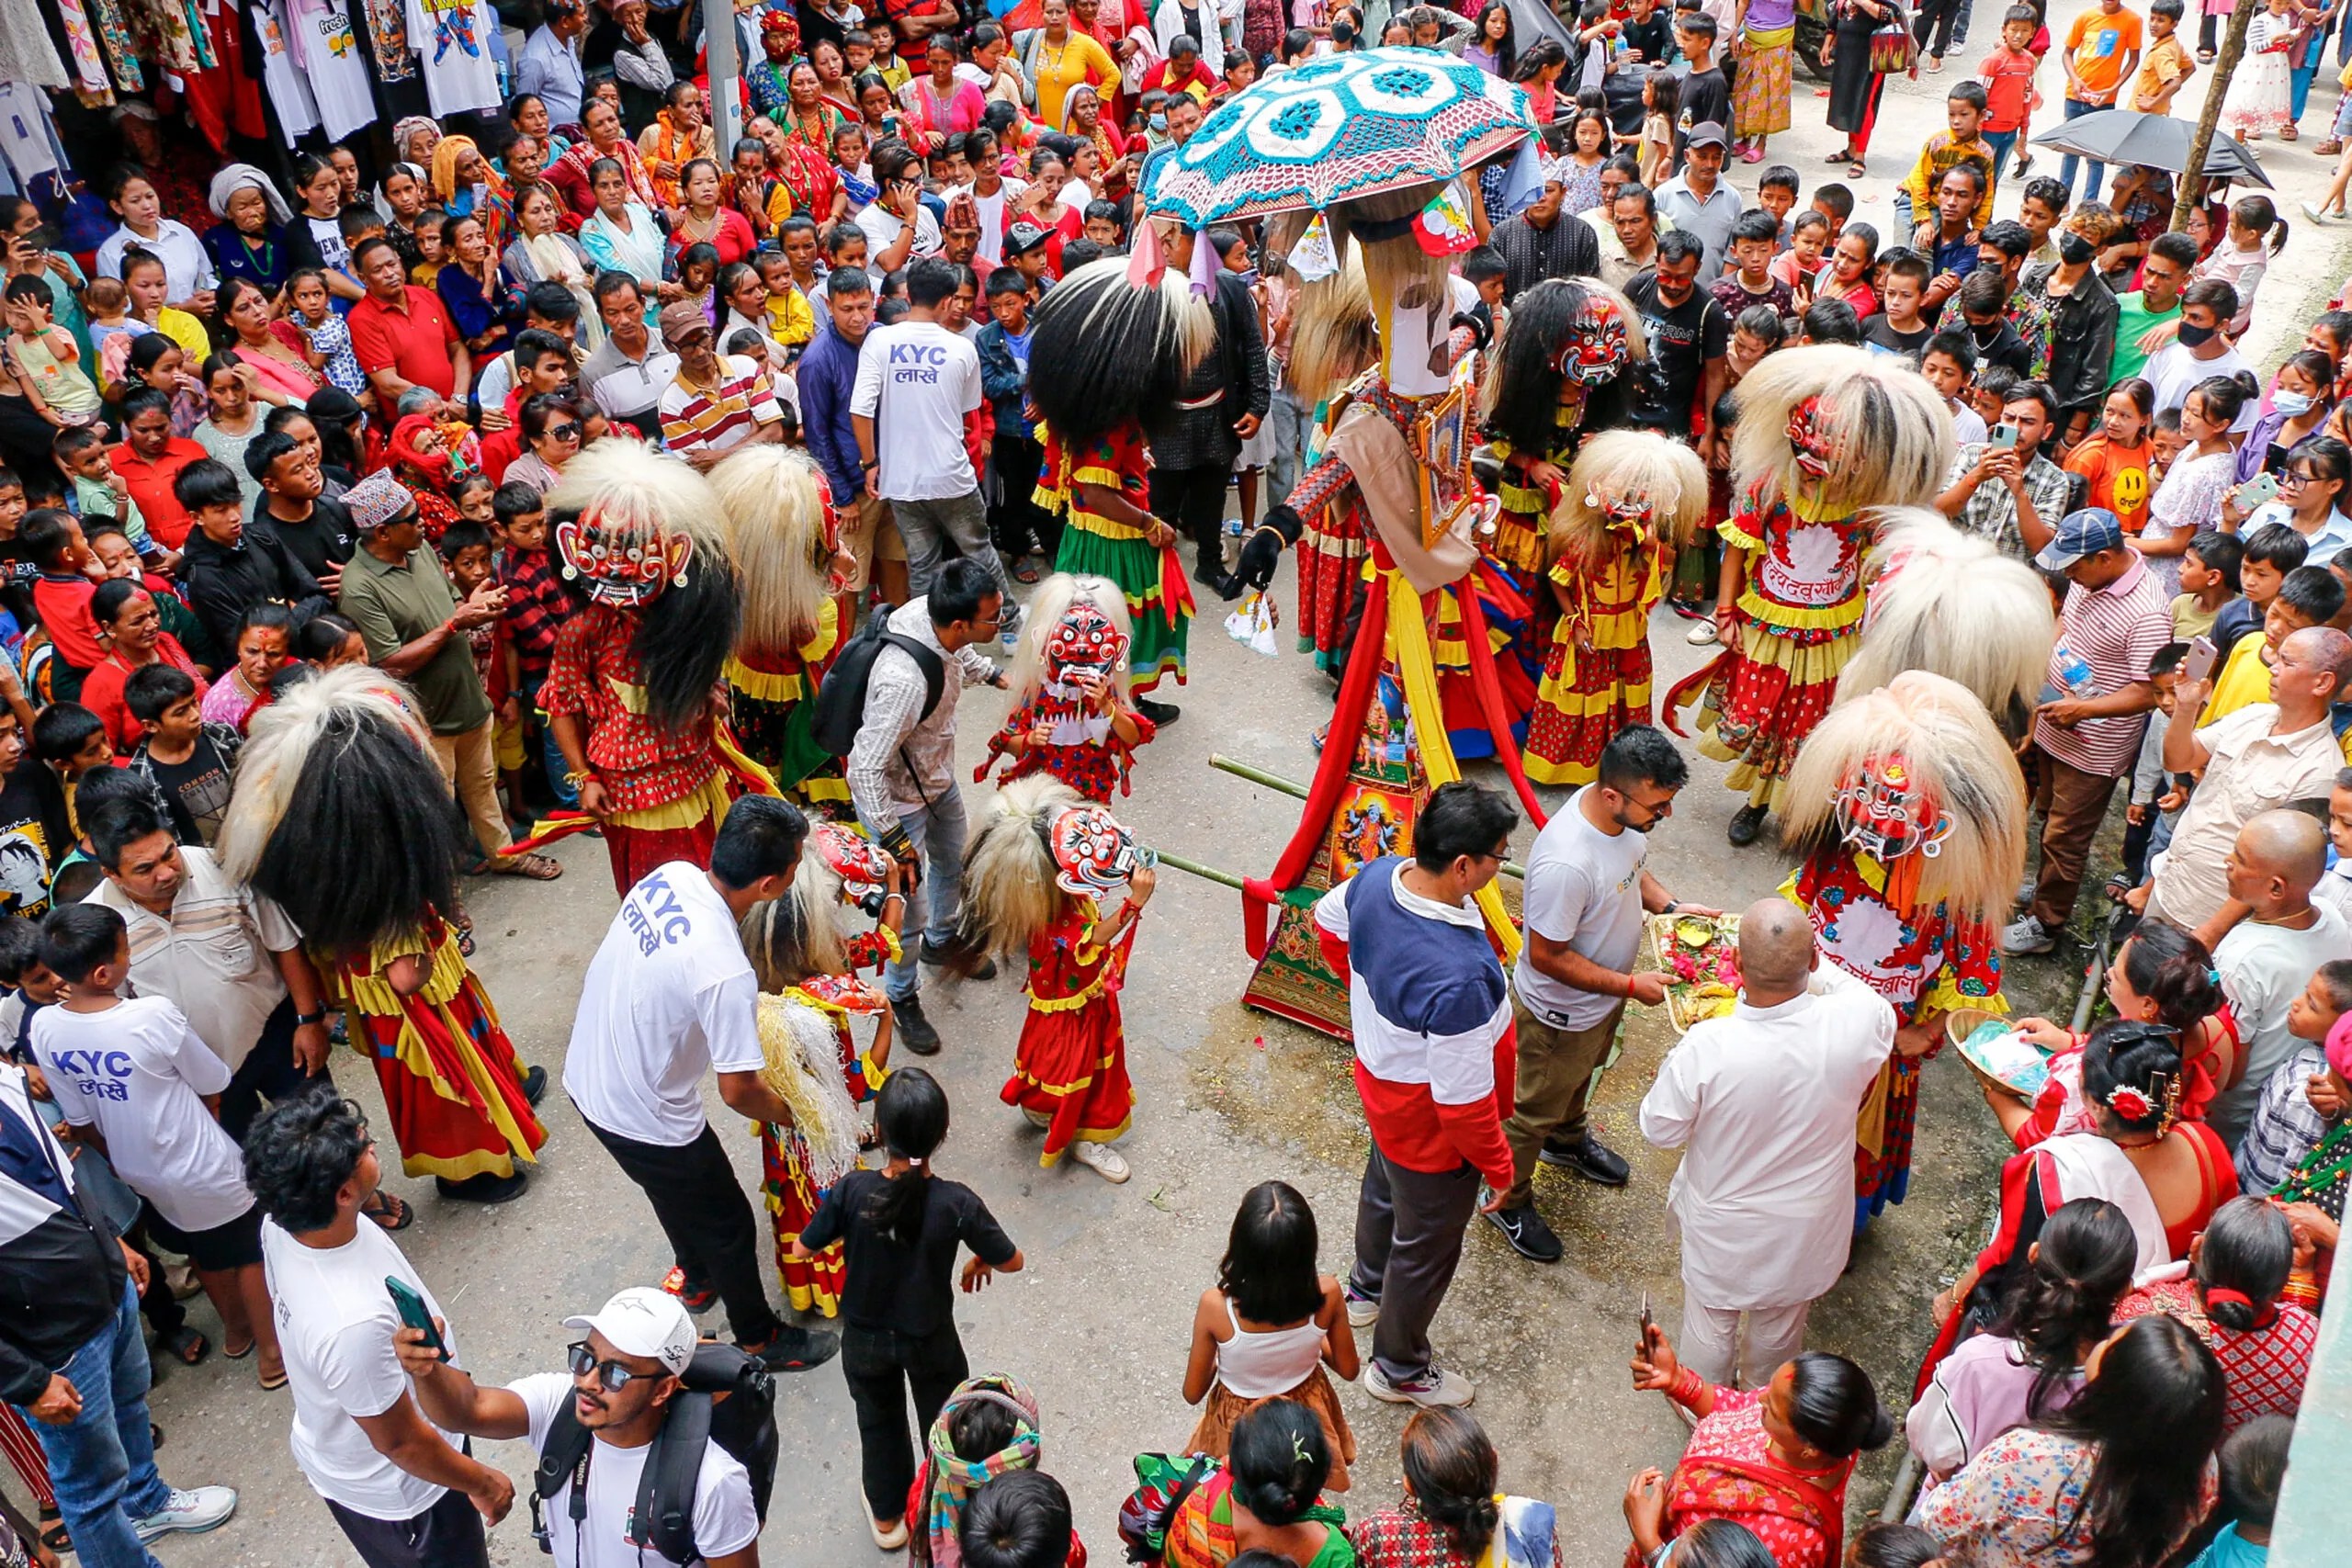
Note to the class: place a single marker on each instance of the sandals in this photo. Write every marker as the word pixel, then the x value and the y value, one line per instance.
pixel 1856 170
pixel 188 1346
pixel 52 1532
pixel 240 1354
pixel 270 1384
pixel 533 865
pixel 1843 156
pixel 392 1214
pixel 1023 572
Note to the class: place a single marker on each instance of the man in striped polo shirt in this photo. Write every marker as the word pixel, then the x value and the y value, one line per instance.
pixel 718 401
pixel 2086 732
pixel 1434 1050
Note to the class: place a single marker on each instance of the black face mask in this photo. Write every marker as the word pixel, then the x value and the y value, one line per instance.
pixel 2192 336
pixel 2075 250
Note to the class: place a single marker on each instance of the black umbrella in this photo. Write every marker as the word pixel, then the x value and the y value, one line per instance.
pixel 2157 141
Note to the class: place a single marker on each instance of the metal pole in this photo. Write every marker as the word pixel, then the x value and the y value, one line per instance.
pixel 726 72
pixel 1512 868
pixel 1206 873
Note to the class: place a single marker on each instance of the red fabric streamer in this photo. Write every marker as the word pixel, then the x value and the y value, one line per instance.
pixel 1680 693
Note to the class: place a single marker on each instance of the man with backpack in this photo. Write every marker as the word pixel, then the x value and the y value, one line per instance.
pixel 634 1465
pixel 902 765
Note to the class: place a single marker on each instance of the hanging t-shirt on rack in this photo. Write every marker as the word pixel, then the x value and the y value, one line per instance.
pixel 290 91
pixel 452 39
pixel 328 51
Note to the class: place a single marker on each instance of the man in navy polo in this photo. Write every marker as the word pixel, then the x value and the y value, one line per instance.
pixel 1434 1039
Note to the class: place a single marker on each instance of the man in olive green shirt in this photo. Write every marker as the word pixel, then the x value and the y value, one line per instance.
pixel 395 591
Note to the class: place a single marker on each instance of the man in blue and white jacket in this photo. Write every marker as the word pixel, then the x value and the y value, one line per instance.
pixel 1434 1039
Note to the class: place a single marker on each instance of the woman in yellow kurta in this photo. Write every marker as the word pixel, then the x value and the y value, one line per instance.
pixel 1631 500
pixel 1058 57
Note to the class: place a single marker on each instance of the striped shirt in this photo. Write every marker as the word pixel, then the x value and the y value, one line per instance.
pixel 716 418
pixel 2285 1128
pixel 2116 631
pixel 214 956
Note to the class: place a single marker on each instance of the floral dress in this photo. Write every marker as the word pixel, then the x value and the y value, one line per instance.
pixel 1071 1066
pixel 1799 620
pixel 1924 963
pixel 332 338
pixel 2018 1504
pixel 1093 761
pixel 1159 596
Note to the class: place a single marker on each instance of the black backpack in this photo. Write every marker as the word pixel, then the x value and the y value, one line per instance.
pixel 840 697
pixel 729 1398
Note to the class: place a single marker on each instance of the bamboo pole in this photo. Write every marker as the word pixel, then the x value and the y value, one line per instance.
pixel 2191 190
pixel 1206 872
pixel 1217 760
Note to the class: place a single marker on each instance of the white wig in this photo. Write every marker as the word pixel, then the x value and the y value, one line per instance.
pixel 1619 466
pixel 1949 602
pixel 1054 596
pixel 625 483
pixel 1893 434
pixel 773 512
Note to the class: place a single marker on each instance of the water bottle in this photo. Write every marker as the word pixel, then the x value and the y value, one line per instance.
pixel 2072 671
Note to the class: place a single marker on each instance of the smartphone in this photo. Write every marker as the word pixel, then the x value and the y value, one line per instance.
pixel 2259 490
pixel 2004 438
pixel 414 1313
pixel 1646 1322
pixel 2203 655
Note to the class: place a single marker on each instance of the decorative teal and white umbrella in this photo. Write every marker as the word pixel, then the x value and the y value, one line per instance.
pixel 1345 126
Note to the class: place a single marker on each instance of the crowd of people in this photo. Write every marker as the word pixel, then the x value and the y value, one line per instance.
pixel 577 474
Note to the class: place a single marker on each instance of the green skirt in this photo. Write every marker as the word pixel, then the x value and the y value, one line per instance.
pixel 1135 566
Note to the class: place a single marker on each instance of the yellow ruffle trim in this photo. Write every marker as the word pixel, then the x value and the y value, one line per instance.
pixel 764 684
pixel 373 995
pixel 1796 617
pixel 709 801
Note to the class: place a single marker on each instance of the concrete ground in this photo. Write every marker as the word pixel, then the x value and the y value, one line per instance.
pixel 1098 1323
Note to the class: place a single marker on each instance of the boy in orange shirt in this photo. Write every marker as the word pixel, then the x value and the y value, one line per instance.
pixel 2102 48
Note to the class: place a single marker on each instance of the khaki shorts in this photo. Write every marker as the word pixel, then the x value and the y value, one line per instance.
pixel 870 533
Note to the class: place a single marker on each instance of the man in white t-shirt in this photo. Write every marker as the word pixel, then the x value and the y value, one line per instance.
pixel 917 379
pixel 405 1493
pixel 644 1339
pixel 1587 890
pixel 136 1072
pixel 2268 958
pixel 668 996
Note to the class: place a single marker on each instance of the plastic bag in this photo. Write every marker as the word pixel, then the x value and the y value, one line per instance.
pixel 1253 625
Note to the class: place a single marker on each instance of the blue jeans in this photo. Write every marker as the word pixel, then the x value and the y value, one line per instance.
pixel 937 896
pixel 2000 141
pixel 2076 110
pixel 551 755
pixel 103 1461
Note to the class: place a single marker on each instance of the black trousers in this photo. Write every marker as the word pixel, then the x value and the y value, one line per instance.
pixel 1016 522
pixel 703 1211
pixel 883 1368
pixel 268 1073
pixel 446 1535
pixel 1192 502
pixel 1935 17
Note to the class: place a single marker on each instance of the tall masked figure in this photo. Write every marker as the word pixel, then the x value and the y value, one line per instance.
pixel 629 684
pixel 784 540
pixel 1107 350
pixel 1629 502
pixel 1825 434
pixel 1908 809
pixel 341 815
pixel 1035 879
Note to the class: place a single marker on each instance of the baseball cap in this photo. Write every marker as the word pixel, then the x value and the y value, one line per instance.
pixel 644 1322
pixel 2080 534
pixel 1023 238
pixel 1707 132
pixel 681 319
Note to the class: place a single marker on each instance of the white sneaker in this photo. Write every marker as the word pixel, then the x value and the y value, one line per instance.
pixel 1007 632
pixel 2028 935
pixel 1434 1387
pixel 1361 1313
pixel 890 1535
pixel 191 1512
pixel 1702 634
pixel 1102 1159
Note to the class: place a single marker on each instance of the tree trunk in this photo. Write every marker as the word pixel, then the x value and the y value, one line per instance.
pixel 2191 190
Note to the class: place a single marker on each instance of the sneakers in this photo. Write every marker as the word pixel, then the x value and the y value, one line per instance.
pixel 1363 1310
pixel 191 1512
pixel 2025 890
pixel 912 1029
pixel 1528 1235
pixel 2028 935
pixel 1432 1387
pixel 1702 634
pixel 941 952
pixel 1588 1157
pixel 694 1298
pixel 1747 823
pixel 1102 1159
pixel 795 1350
pixel 891 1534
pixel 486 1188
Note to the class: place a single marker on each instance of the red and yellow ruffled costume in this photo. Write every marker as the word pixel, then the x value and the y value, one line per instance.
pixel 452 1086
pixel 1071 1063
pixel 1093 769
pixel 1597 673
pixel 666 788
pixel 1799 620
pixel 1159 595
pixel 771 709
pixel 1924 963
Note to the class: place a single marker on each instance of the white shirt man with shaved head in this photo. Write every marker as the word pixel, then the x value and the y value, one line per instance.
pixel 1762 1102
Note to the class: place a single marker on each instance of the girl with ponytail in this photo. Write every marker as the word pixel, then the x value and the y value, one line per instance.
pixel 2227 1293
pixel 1452 1513
pixel 900 1228
pixel 2028 1362
pixel 2162 975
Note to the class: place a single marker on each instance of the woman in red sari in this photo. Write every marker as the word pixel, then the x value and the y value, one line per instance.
pixel 1775 1460
pixel 804 171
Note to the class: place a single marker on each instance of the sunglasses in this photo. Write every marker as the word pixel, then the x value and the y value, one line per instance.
pixel 611 1376
pixel 568 431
